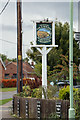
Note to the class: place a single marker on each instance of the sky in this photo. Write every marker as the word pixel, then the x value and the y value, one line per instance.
pixel 30 11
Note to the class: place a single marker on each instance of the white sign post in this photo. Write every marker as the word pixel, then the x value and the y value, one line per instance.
pixel 45 49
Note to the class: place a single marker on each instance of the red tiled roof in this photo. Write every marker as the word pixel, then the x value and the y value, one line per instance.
pixel 26 67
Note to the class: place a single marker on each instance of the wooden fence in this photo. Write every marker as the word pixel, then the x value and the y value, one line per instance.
pixel 39 108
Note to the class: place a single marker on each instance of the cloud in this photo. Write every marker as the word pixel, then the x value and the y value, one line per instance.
pixel 60 10
pixel 27 26
pixel 42 0
pixel 8 28
pixel 32 11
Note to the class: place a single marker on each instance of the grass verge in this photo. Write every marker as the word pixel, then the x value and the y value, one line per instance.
pixel 7 89
pixel 4 101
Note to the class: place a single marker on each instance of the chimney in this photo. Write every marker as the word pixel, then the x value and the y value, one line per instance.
pixel 32 63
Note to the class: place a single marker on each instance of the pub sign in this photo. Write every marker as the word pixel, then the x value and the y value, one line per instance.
pixel 44 33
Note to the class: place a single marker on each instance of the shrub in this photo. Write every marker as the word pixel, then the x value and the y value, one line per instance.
pixel 54 89
pixel 13 82
pixel 77 103
pixel 27 91
pixel 37 92
pixel 64 93
pixel 9 83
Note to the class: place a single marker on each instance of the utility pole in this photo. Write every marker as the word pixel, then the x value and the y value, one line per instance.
pixel 71 110
pixel 19 48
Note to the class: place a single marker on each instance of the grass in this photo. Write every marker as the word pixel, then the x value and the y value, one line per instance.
pixel 7 89
pixel 4 101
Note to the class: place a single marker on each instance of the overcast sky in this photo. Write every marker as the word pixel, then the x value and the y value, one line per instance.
pixel 30 11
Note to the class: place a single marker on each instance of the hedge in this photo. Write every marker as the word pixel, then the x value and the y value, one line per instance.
pixel 5 83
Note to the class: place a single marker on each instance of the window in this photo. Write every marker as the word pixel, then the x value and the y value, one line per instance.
pixel 6 76
pixel 14 75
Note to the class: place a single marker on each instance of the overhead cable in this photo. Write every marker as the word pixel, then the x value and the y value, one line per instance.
pixel 11 42
pixel 4 7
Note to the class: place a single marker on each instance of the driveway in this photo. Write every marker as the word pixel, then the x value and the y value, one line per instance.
pixel 6 95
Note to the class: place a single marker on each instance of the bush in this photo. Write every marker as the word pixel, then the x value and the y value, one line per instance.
pixel 77 103
pixel 37 92
pixel 54 89
pixel 8 83
pixel 64 93
pixel 27 91
pixel 5 83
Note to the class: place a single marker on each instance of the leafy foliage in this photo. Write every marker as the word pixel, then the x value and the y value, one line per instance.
pixel 64 93
pixel 50 92
pixel 62 70
pixel 37 92
pixel 4 57
pixel 62 40
pixel 77 103
pixel 38 69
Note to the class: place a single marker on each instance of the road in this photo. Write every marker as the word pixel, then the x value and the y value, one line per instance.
pixel 6 95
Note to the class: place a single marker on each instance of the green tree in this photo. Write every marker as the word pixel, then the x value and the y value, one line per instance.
pixel 62 70
pixel 38 69
pixel 4 57
pixel 62 40
pixel 54 58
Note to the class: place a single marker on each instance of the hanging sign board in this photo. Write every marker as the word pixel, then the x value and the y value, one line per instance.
pixel 77 36
pixel 44 33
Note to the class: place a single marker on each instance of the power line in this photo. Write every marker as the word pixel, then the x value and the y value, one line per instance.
pixel 4 7
pixel 7 41
pixel 11 42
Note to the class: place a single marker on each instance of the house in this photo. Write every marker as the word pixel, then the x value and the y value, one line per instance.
pixel 2 69
pixel 11 70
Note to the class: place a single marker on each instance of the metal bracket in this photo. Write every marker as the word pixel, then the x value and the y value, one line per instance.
pixel 70 63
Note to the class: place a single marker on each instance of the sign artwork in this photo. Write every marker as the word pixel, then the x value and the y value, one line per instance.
pixel 44 33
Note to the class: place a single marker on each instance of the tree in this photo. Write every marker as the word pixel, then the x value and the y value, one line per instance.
pixel 38 69
pixel 62 70
pixel 4 57
pixel 35 55
pixel 54 57
pixel 62 40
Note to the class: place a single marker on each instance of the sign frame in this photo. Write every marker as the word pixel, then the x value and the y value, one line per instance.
pixel 35 35
pixel 77 34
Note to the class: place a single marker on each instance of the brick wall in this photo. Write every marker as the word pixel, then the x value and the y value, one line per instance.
pixel 2 70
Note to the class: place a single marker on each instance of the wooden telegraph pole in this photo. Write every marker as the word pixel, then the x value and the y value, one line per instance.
pixel 19 48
